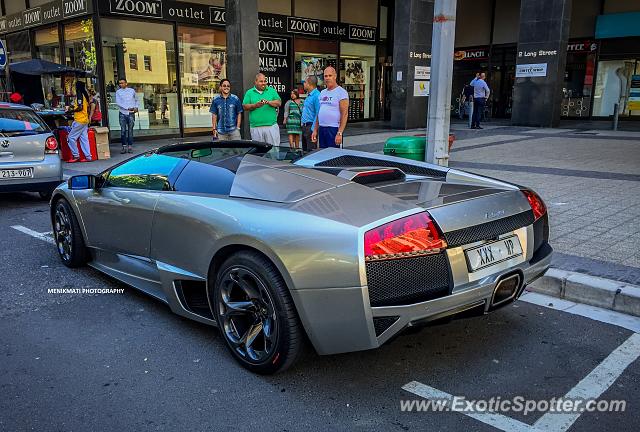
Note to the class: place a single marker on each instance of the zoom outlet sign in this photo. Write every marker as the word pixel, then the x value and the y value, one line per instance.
pixel 140 8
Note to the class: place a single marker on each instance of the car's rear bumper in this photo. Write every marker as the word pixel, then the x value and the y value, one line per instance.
pixel 341 320
pixel 47 174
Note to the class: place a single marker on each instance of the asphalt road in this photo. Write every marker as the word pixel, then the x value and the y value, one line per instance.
pixel 73 362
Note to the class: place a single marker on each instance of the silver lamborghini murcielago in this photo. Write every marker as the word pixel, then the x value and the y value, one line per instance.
pixel 342 248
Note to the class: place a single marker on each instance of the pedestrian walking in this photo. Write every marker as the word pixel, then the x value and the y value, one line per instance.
pixel 292 119
pixel 226 110
pixel 333 114
pixel 262 103
pixel 80 125
pixel 480 94
pixel 128 106
pixel 310 111
pixel 467 102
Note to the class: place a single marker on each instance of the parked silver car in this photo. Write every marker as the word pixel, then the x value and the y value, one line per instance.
pixel 343 248
pixel 29 159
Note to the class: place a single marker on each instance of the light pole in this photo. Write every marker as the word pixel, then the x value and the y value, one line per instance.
pixel 438 114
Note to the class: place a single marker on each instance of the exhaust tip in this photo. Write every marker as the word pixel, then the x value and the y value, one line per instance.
pixel 506 289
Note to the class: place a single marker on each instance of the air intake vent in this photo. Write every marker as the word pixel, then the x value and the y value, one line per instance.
pixel 383 323
pixel 360 161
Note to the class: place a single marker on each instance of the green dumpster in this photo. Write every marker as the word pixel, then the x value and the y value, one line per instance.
pixel 410 147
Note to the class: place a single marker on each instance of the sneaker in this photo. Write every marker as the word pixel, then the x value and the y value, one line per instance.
pixel 130 150
pixel 74 160
pixel 124 150
pixel 479 127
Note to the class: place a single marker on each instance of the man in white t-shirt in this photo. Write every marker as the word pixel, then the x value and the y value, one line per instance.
pixel 333 113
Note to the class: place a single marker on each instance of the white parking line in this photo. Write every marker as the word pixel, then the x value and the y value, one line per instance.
pixel 40 236
pixel 498 421
pixel 595 313
pixel 591 387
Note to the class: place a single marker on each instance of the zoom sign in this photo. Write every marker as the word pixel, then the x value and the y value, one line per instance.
pixel 141 8
pixel 303 26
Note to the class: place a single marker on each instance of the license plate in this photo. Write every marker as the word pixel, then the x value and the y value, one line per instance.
pixel 493 253
pixel 7 174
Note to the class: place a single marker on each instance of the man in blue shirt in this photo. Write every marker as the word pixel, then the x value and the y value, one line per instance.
pixel 225 114
pixel 480 94
pixel 310 111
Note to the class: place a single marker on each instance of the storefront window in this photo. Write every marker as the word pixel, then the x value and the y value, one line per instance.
pixel 578 84
pixel 18 47
pixel 203 64
pixel 155 85
pixel 613 84
pixel 357 73
pixel 48 48
pixel 311 57
pixel 79 45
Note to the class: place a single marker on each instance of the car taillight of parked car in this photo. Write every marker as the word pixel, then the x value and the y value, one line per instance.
pixel 411 236
pixel 51 145
pixel 536 203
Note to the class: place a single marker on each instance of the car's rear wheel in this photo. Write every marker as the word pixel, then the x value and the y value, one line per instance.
pixel 67 235
pixel 255 313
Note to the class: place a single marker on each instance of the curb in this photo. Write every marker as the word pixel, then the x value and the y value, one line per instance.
pixel 595 291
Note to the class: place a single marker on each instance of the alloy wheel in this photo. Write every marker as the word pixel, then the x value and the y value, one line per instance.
pixel 63 232
pixel 247 315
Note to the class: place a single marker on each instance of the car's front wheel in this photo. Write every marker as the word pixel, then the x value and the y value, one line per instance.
pixel 67 235
pixel 255 313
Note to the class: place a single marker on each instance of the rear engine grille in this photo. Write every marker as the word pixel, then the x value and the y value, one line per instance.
pixel 358 161
pixel 383 323
pixel 489 230
pixel 407 280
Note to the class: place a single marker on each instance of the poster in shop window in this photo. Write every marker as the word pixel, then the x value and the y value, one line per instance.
pixel 634 94
pixel 354 71
pixel 311 66
pixel 209 64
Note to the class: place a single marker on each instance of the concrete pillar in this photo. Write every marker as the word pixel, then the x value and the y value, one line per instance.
pixel 242 48
pixel 411 47
pixel 540 62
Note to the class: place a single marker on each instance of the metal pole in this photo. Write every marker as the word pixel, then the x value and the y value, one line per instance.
pixel 616 111
pixel 438 116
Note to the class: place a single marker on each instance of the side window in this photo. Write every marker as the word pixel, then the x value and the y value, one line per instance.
pixel 149 171
pixel 200 177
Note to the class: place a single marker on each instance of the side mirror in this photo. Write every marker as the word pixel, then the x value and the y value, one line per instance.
pixel 82 182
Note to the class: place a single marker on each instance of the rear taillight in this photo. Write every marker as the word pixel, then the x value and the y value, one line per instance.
pixel 536 203
pixel 411 236
pixel 51 145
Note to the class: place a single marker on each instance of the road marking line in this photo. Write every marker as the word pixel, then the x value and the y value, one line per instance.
pixel 498 421
pixel 593 385
pixel 40 236
pixel 590 387
pixel 606 316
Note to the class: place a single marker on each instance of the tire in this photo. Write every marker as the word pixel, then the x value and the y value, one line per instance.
pixel 68 236
pixel 252 304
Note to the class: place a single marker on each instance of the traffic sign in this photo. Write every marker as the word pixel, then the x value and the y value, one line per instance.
pixel 3 55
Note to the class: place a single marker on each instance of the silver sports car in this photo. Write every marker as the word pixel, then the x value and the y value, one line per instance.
pixel 341 248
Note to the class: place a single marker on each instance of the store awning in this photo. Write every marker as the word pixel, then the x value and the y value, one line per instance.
pixel 44 67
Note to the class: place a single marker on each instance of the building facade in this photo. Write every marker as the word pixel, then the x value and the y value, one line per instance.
pixel 174 54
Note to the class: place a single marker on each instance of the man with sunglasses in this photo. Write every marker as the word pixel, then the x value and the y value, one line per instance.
pixel 225 114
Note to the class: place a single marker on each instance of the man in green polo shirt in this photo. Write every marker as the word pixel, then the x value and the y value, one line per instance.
pixel 262 102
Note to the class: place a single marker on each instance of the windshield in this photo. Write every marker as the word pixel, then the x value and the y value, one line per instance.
pixel 21 122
